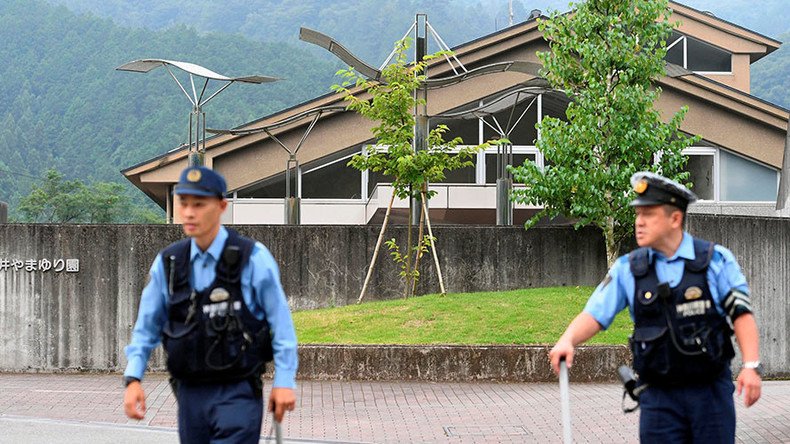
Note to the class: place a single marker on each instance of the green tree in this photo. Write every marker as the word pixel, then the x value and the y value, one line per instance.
pixel 605 56
pixel 391 103
pixel 58 200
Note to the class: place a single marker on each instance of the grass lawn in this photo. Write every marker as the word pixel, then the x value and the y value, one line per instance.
pixel 533 316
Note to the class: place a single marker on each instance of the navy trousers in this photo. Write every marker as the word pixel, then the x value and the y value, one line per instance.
pixel 219 413
pixel 700 413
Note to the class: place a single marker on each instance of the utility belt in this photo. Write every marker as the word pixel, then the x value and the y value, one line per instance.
pixel 255 381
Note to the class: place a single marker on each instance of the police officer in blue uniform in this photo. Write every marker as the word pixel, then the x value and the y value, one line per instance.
pixel 216 303
pixel 686 297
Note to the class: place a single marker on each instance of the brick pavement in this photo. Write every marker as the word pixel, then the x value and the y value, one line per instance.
pixel 380 412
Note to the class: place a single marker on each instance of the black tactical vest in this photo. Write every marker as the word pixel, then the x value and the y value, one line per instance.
pixel 211 335
pixel 679 336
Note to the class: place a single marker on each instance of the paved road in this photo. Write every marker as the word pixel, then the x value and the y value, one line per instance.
pixel 44 408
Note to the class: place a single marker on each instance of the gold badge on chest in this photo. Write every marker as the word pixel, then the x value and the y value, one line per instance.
pixel 693 293
pixel 219 294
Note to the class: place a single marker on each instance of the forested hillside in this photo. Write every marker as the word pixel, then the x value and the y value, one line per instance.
pixel 64 106
pixel 355 21
pixel 771 75
pixel 367 27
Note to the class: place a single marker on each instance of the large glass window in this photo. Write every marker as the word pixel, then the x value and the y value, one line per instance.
pixel 744 180
pixel 273 188
pixel 461 175
pixel 466 129
pixel 702 56
pixel 702 175
pixel 334 181
pixel 696 55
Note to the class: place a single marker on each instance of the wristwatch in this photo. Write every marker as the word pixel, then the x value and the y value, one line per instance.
pixel 128 380
pixel 755 365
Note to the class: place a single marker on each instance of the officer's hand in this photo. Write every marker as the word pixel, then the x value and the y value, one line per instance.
pixel 280 400
pixel 134 401
pixel 750 383
pixel 562 349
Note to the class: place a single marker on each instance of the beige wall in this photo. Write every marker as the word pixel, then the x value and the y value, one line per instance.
pixel 725 127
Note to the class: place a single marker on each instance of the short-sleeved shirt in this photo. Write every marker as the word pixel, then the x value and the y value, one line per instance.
pixel 616 291
pixel 261 290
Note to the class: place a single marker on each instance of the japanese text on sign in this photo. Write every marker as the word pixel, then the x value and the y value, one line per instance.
pixel 40 265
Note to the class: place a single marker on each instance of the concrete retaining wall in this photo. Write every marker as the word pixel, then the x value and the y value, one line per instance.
pixel 454 363
pixel 54 320
pixel 762 247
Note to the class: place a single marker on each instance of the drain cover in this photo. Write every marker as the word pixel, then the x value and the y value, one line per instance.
pixel 485 430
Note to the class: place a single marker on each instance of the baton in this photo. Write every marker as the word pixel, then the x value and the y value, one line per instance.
pixel 566 402
pixel 278 432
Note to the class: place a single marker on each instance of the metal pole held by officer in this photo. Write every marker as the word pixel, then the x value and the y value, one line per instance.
pixel 687 298
pixel 215 302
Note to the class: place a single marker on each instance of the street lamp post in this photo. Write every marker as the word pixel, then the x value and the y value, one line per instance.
pixel 293 170
pixel 197 117
pixel 529 91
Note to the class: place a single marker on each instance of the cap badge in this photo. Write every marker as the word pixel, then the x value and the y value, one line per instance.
pixel 640 186
pixel 693 293
pixel 193 175
pixel 219 294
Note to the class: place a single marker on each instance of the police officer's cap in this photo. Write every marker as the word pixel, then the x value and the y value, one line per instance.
pixel 201 181
pixel 654 189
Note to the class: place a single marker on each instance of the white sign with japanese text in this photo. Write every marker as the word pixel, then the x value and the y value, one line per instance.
pixel 40 265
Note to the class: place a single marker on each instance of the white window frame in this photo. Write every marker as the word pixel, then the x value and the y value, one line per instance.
pixel 708 151
pixel 363 180
pixel 717 185
pixel 684 40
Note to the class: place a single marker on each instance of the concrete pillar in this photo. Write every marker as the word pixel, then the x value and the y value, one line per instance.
pixel 783 196
pixel 3 213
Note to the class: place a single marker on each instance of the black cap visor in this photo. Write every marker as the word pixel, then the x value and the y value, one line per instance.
pixel 658 196
pixel 194 190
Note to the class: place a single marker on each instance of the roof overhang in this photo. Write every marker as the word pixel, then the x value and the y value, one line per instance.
pixel 721 33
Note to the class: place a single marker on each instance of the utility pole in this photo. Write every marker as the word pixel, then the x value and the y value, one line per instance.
pixel 510 12
pixel 420 109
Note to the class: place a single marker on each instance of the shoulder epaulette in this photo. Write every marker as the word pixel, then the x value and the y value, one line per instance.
pixel 703 253
pixel 639 261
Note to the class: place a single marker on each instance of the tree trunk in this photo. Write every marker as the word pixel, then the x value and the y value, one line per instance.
pixel 418 253
pixel 408 248
pixel 433 246
pixel 612 245
pixel 376 250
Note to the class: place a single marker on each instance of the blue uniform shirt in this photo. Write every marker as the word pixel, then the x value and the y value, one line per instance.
pixel 617 290
pixel 262 292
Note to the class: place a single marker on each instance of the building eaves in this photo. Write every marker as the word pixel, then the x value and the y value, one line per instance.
pixel 717 18
pixel 767 44
pixel 712 85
